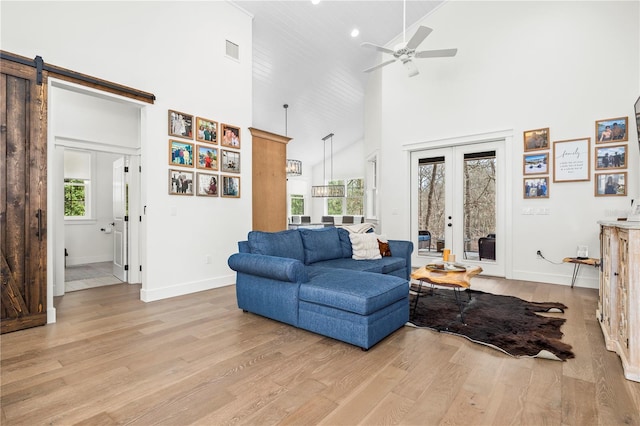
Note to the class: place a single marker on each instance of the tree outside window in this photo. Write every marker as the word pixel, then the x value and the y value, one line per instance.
pixel 75 197
pixel 355 197
pixel 297 204
pixel 353 203
pixel 334 204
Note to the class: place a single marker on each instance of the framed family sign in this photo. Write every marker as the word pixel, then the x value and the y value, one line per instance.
pixel 571 160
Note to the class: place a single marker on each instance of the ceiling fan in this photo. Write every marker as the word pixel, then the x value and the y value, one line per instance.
pixel 406 51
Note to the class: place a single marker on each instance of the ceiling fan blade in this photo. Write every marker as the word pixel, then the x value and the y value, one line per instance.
pixel 436 53
pixel 378 48
pixel 380 65
pixel 418 37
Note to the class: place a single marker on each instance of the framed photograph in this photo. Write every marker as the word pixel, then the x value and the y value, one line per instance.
pixel 230 136
pixel 180 124
pixel 611 157
pixel 611 184
pixel 571 160
pixel 536 187
pixel 230 186
pixel 206 130
pixel 535 140
pixel 207 157
pixel 180 153
pixel 230 161
pixel 180 182
pixel 612 130
pixel 207 185
pixel 536 164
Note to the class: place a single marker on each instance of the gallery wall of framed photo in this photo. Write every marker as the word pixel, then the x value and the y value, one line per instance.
pixel 199 147
pixel 570 160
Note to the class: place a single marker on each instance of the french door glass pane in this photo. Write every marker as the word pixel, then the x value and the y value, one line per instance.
pixel 431 206
pixel 479 205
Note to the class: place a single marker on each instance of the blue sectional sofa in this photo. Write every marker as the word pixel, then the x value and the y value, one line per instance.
pixel 307 278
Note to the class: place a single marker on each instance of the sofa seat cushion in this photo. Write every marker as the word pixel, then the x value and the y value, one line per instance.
pixel 385 265
pixel 280 244
pixel 358 292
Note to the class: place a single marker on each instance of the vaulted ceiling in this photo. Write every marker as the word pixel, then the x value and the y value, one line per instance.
pixel 304 56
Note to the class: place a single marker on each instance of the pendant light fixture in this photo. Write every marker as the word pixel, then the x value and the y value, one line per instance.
pixel 327 190
pixel 294 167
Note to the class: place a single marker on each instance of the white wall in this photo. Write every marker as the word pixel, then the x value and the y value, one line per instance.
pixel 165 49
pixel 520 66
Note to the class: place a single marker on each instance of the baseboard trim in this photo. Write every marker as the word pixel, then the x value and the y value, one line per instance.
pixel 153 294
pixel 585 279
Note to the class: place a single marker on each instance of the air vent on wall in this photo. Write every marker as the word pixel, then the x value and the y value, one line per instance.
pixel 232 50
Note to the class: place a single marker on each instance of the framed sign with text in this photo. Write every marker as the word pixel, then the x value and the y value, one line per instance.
pixel 571 160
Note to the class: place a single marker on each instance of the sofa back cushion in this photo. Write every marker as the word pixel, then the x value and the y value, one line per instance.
pixel 320 244
pixel 280 244
pixel 345 242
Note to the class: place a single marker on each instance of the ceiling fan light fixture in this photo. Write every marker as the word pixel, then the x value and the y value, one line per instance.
pixel 412 70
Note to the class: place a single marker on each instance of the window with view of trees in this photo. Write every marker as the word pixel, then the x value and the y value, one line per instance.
pixel 75 197
pixel 297 204
pixel 352 203
pixel 77 184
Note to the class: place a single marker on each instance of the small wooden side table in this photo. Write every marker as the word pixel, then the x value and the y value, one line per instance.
pixel 577 261
pixel 453 279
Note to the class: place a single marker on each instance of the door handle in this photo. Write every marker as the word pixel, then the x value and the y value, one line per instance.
pixel 112 224
pixel 39 231
pixel 449 224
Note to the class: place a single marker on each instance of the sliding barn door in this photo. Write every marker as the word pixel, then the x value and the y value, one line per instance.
pixel 23 173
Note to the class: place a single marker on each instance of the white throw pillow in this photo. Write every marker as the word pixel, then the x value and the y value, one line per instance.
pixel 365 246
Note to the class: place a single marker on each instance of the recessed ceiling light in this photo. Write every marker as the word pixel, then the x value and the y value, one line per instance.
pixel 315 1
pixel 355 32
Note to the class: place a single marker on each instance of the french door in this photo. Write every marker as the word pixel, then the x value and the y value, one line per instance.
pixel 458 204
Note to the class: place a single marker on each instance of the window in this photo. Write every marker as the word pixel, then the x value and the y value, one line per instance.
pixel 297 204
pixel 353 203
pixel 371 188
pixel 355 197
pixel 335 205
pixel 75 197
pixel 77 184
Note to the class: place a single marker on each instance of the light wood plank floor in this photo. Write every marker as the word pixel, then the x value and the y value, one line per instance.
pixel 197 359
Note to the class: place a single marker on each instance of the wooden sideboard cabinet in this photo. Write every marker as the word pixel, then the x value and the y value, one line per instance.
pixel 619 292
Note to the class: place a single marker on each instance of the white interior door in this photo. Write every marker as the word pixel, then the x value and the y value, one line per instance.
pixel 120 219
pixel 458 194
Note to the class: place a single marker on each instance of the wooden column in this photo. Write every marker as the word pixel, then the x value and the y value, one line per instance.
pixel 269 180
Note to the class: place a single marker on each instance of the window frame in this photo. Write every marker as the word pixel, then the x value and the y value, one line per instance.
pixel 90 200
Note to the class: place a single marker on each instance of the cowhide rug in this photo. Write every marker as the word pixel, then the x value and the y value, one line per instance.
pixel 506 323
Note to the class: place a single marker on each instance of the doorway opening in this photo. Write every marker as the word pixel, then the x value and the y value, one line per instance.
pixel 92 251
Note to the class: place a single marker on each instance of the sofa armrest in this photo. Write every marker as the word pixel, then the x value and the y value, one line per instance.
pixel 402 248
pixel 277 268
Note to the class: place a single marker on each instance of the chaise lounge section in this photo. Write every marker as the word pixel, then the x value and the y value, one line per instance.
pixel 309 279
